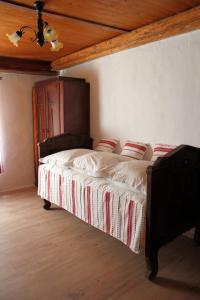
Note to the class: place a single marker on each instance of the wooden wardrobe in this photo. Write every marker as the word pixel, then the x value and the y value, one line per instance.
pixel 60 105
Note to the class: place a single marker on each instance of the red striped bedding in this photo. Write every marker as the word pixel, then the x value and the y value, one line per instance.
pixel 116 211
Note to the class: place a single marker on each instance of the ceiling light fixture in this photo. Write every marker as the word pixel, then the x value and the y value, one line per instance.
pixel 44 34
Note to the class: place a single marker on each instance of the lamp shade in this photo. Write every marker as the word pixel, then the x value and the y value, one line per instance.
pixel 56 45
pixel 14 37
pixel 50 34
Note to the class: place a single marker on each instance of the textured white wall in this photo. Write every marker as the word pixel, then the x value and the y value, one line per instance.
pixel 16 130
pixel 150 93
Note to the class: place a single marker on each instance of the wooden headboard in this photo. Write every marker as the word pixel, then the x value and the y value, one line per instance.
pixel 64 142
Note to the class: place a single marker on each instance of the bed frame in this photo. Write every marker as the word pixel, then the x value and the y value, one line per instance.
pixel 173 191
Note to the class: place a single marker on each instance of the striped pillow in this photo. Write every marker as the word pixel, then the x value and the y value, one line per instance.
pixel 160 150
pixel 134 149
pixel 107 145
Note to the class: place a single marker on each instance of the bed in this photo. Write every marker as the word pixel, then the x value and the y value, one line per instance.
pixel 146 219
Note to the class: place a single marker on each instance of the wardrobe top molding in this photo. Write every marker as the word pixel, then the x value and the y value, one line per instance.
pixel 58 79
pixel 91 29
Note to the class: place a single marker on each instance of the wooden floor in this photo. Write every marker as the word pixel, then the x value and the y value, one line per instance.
pixel 51 255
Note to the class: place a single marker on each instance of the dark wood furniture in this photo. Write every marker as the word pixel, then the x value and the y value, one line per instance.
pixel 60 105
pixel 173 205
pixel 64 142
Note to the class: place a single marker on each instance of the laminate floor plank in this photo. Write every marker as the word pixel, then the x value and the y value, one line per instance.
pixel 52 255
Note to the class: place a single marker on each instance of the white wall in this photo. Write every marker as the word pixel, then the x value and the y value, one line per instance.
pixel 150 93
pixel 16 130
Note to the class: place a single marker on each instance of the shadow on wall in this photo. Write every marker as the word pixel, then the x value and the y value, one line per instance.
pixel 95 106
pixel 91 76
pixel 97 129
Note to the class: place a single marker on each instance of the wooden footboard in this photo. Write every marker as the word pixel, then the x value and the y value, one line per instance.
pixel 173 204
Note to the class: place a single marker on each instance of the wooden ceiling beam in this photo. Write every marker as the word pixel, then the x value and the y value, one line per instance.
pixel 15 4
pixel 16 65
pixel 178 24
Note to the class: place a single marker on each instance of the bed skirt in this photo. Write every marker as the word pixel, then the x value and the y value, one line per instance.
pixel 112 209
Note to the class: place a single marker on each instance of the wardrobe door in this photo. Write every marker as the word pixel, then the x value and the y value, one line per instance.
pixel 53 123
pixel 41 113
pixel 76 107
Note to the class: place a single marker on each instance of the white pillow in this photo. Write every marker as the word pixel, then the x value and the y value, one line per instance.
pixel 64 158
pixel 132 174
pixel 97 163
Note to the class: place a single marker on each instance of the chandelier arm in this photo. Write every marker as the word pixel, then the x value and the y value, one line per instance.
pixel 23 29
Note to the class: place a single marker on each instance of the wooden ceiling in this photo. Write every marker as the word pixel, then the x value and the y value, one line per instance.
pixel 84 26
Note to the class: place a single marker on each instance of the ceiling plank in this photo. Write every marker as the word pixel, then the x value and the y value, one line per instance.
pixel 126 14
pixel 181 23
pixel 61 16
pixel 25 66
